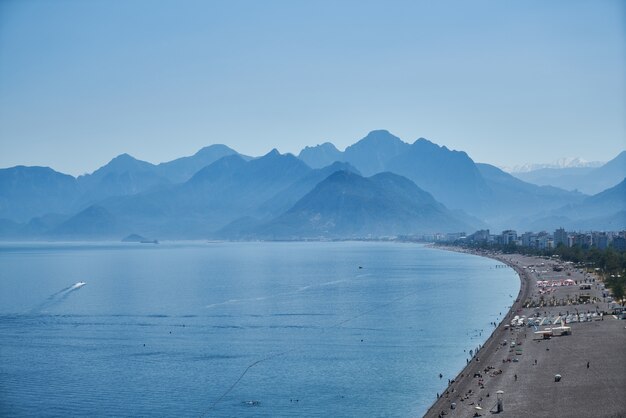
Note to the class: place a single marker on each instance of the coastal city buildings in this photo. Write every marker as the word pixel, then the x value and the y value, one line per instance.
pixel 541 240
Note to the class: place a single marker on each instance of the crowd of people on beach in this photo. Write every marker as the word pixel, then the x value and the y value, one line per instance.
pixel 473 382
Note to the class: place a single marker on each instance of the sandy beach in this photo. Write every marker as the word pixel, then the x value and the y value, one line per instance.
pixel 591 358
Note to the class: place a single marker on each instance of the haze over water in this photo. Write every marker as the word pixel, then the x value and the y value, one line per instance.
pixel 239 329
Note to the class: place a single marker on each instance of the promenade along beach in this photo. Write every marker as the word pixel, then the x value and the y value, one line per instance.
pixel 559 352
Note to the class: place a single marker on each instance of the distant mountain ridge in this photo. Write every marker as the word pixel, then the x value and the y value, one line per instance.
pixel 561 163
pixel 346 204
pixel 228 189
pixel 27 192
pixel 434 168
pixel 233 197
pixel 217 192
pixel 588 180
pixel 182 169
pixel 123 175
pixel 126 175
pixel 452 177
pixel 605 211
pixel 320 155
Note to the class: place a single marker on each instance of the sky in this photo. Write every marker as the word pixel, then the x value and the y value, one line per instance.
pixel 507 82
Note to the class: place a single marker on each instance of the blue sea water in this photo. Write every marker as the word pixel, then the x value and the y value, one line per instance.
pixel 239 329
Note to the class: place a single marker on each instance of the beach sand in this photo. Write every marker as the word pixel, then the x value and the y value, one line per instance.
pixel 591 360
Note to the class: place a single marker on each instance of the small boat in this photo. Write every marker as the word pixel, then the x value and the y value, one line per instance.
pixel 78 285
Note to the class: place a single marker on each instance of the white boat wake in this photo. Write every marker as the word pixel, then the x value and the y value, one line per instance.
pixel 57 297
pixel 290 293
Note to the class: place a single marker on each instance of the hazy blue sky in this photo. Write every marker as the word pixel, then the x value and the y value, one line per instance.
pixel 508 82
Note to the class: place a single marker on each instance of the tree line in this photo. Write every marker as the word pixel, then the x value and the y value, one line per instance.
pixel 610 262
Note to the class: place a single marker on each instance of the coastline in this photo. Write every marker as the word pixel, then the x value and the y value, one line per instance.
pixel 462 382
pixel 520 372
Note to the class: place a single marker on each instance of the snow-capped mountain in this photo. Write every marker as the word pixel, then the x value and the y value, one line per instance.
pixel 566 162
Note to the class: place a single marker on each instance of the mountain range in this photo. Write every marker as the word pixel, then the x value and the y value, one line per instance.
pixel 379 186
pixel 603 211
pixel 452 177
pixel 561 163
pixel 347 205
pixel 589 180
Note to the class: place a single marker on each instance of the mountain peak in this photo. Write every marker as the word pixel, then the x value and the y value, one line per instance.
pixel 329 146
pixel 372 153
pixel 425 142
pixel 213 149
pixel 183 168
pixel 273 153
pixel 34 169
pixel 320 155
pixel 380 135
pixel 124 162
pixel 124 157
pixel 217 169
pixel 346 204
pixel 378 132
pixel 274 159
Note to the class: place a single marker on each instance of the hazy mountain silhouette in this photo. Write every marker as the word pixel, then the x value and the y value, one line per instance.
pixel 510 199
pixel 244 186
pixel 26 192
pixel 95 221
pixel 320 156
pixel 31 192
pixel 372 154
pixel 124 175
pixel 285 199
pixel 41 225
pixel 585 179
pixel 226 190
pixel 348 205
pixel 608 201
pixel 451 176
pixel 182 169
pixel 614 197
pixel 605 210
pixel 218 189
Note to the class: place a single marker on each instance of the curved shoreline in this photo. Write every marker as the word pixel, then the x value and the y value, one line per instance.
pixel 589 358
pixel 463 379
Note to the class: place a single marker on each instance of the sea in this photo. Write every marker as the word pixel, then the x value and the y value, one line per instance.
pixel 240 329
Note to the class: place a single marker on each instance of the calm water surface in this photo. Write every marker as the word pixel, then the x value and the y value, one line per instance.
pixel 239 329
